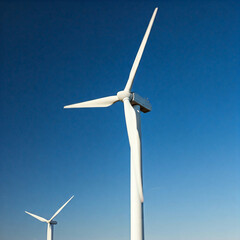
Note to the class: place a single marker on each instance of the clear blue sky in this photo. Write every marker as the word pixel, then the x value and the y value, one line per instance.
pixel 57 53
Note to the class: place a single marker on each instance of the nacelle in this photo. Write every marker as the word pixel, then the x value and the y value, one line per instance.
pixel 53 222
pixel 145 105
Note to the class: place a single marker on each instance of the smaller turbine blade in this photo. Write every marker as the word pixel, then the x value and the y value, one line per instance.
pixel 139 54
pixel 59 210
pixel 37 217
pixel 100 102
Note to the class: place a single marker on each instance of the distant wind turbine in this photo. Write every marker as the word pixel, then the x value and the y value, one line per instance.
pixel 50 222
pixel 133 104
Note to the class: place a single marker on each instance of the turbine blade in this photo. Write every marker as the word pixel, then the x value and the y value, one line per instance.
pixel 135 144
pixel 139 54
pixel 100 102
pixel 60 209
pixel 37 217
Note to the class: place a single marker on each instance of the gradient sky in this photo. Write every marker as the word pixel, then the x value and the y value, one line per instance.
pixel 58 53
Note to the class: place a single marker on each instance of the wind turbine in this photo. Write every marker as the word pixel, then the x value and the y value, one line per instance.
pixel 133 104
pixel 50 222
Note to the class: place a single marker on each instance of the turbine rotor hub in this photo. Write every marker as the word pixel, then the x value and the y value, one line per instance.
pixel 124 94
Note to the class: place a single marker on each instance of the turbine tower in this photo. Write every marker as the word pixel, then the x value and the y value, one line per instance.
pixel 50 222
pixel 133 104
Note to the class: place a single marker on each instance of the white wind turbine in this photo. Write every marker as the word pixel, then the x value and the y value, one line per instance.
pixel 133 104
pixel 50 222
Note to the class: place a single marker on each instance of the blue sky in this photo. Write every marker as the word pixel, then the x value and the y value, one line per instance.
pixel 58 53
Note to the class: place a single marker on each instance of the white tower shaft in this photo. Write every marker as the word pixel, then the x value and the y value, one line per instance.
pixel 133 122
pixel 137 227
pixel 49 231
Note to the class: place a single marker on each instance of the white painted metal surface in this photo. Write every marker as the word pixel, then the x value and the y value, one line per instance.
pixel 50 222
pixel 133 122
pixel 139 54
pixel 49 231
pixel 133 104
